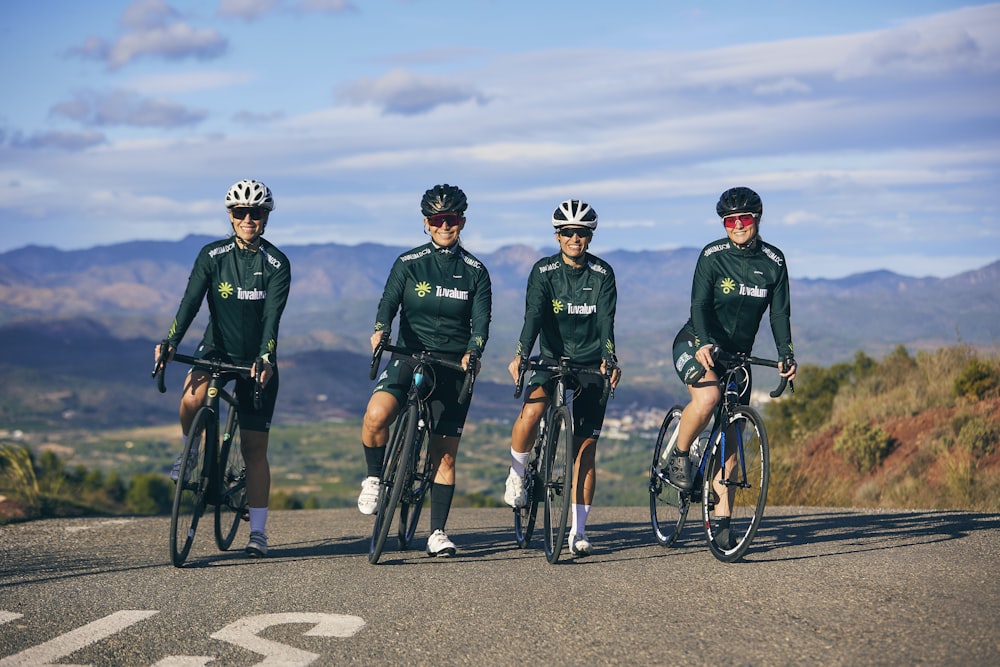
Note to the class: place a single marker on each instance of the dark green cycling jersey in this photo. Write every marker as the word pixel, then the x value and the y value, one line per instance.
pixel 731 290
pixel 247 292
pixel 571 310
pixel 444 297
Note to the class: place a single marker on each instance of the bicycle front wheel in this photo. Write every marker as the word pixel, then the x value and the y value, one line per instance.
pixel 739 481
pixel 524 517
pixel 668 507
pixel 392 480
pixel 419 477
pixel 232 505
pixel 558 479
pixel 192 486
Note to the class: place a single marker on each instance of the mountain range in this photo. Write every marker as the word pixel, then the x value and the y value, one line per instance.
pixel 98 311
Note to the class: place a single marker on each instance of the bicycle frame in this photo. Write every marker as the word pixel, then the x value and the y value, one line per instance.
pixel 211 483
pixel 553 477
pixel 407 473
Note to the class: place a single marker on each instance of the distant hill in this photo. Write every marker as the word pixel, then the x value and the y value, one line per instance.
pixel 132 290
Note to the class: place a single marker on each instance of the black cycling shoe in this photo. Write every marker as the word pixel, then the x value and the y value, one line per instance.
pixel 725 539
pixel 679 472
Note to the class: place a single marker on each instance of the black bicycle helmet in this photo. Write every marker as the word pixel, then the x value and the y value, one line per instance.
pixel 443 199
pixel 574 213
pixel 739 200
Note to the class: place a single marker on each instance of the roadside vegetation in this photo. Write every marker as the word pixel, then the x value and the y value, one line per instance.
pixel 909 431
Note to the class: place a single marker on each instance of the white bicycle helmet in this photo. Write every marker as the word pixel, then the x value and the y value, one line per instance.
pixel 574 213
pixel 249 193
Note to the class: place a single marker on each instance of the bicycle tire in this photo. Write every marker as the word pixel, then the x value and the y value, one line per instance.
pixel 415 485
pixel 190 493
pixel 524 517
pixel 558 481
pixel 391 484
pixel 668 506
pixel 747 501
pixel 232 506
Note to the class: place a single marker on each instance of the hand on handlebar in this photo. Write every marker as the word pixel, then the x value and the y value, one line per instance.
pixel 473 358
pixel 379 338
pixel 516 367
pixel 788 367
pixel 266 371
pixel 616 373
pixel 706 355
pixel 169 352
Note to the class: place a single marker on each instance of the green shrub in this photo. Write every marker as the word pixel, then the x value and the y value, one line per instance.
pixel 864 445
pixel 978 380
pixel 977 435
pixel 149 494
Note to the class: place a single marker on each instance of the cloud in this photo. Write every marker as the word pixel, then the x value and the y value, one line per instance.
pixel 153 29
pixel 405 93
pixel 251 10
pixel 246 9
pixel 60 140
pixel 123 107
pixel 255 118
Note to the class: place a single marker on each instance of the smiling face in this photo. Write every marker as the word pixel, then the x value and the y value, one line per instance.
pixel 740 228
pixel 248 222
pixel 573 242
pixel 444 228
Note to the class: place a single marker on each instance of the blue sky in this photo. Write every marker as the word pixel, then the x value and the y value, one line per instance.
pixel 870 129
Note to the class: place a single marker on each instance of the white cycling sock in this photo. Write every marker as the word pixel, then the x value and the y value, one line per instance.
pixel 517 461
pixel 580 513
pixel 258 519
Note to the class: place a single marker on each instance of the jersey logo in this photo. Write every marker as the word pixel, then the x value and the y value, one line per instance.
pixel 557 306
pixel 727 285
pixel 423 289
pixel 225 290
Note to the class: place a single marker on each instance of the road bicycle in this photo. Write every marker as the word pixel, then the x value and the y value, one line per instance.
pixel 548 472
pixel 212 470
pixel 407 473
pixel 732 459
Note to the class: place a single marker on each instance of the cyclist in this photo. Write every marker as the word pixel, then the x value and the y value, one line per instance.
pixel 246 281
pixel 444 297
pixel 735 280
pixel 570 306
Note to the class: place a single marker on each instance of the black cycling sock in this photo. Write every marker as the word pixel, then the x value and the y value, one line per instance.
pixel 374 458
pixel 441 495
pixel 722 522
pixel 678 452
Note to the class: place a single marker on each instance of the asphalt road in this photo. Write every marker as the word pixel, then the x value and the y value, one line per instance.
pixel 820 586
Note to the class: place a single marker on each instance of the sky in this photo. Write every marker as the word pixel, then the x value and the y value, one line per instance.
pixel 871 130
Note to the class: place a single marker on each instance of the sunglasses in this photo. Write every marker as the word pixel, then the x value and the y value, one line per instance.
pixel 451 219
pixel 746 218
pixel 570 232
pixel 255 212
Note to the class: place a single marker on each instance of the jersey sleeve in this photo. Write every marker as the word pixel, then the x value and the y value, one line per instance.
pixel 608 303
pixel 534 302
pixel 702 307
pixel 781 314
pixel 482 309
pixel 274 305
pixel 197 286
pixel 392 297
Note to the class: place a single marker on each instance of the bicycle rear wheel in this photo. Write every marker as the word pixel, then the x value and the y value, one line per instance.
pixel 740 482
pixel 558 478
pixel 232 505
pixel 192 486
pixel 668 506
pixel 392 479
pixel 524 517
pixel 415 487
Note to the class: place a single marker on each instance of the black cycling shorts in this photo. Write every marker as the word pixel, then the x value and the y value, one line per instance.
pixel 442 384
pixel 250 418
pixel 690 370
pixel 585 406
